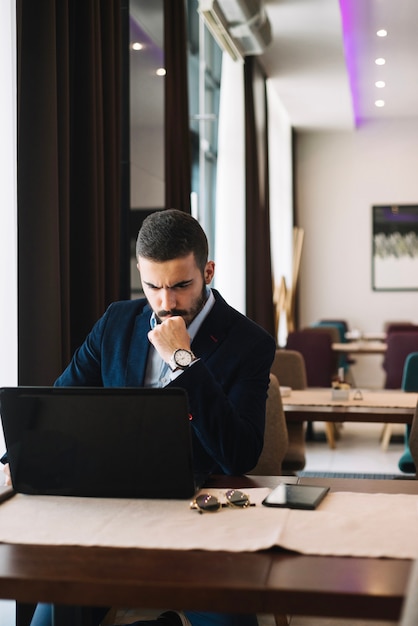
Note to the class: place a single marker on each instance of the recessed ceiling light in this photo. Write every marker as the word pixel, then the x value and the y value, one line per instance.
pixel 382 32
pixel 161 71
pixel 380 61
pixel 137 46
pixel 380 103
pixel 380 84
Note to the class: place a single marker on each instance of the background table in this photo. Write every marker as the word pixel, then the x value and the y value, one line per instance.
pixel 360 347
pixel 367 336
pixel 272 581
pixel 315 404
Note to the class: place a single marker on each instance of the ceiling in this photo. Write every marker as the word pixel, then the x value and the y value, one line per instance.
pixel 322 60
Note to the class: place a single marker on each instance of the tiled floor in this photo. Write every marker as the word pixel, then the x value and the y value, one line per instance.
pixel 358 451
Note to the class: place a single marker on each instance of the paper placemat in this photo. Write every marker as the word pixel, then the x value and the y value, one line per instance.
pixel 345 524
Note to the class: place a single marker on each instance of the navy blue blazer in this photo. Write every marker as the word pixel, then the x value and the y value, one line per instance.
pixel 227 387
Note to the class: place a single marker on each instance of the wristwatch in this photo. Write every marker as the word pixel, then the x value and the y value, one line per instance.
pixel 181 359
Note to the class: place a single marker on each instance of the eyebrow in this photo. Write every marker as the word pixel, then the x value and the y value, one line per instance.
pixel 182 283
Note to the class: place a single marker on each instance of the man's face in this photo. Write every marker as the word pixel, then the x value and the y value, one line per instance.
pixel 175 287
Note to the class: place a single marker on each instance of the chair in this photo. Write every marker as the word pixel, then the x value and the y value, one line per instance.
pixel 320 362
pixel 344 360
pixel 275 434
pixel 409 383
pixel 399 345
pixel 413 439
pixel 289 367
pixel 316 349
pixel 274 450
pixel 391 327
pixel 334 333
pixel 342 324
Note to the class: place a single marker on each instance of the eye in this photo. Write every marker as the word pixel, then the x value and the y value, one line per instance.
pixel 183 285
pixel 151 287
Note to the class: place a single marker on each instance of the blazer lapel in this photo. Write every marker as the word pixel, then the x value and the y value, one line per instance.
pixel 213 330
pixel 138 351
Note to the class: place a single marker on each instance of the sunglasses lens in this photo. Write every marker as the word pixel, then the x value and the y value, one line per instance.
pixel 237 498
pixel 206 502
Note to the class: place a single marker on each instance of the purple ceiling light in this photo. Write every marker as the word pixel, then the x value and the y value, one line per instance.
pixel 349 53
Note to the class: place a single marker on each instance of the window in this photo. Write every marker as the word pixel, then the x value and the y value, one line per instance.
pixel 205 64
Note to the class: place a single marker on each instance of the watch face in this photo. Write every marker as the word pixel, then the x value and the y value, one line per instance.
pixel 183 358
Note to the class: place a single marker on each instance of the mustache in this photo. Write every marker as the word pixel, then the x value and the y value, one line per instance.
pixel 173 312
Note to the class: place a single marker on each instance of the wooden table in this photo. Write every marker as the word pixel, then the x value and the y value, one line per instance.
pixel 271 581
pixel 368 336
pixel 316 405
pixel 360 347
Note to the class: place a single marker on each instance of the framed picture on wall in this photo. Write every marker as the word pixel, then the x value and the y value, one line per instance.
pixel 395 248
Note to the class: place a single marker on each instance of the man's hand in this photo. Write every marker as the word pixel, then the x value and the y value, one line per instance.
pixel 169 336
pixel 6 470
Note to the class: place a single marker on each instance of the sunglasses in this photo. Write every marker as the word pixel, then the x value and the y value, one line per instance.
pixel 207 503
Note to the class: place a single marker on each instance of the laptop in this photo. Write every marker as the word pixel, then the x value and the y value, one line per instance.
pixel 98 442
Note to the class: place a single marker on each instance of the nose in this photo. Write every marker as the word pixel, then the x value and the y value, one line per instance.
pixel 168 300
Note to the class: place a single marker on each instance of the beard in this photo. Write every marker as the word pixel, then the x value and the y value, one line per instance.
pixel 187 314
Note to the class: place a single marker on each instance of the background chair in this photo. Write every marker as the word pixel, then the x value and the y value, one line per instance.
pixel 316 349
pixel 341 324
pixel 409 383
pixel 275 434
pixel 391 327
pixel 413 439
pixel 344 360
pixel 274 451
pixel 289 367
pixel 399 345
pixel 321 365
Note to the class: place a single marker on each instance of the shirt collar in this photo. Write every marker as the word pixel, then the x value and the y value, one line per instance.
pixel 201 316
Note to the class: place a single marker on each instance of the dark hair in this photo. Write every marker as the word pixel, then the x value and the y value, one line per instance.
pixel 172 234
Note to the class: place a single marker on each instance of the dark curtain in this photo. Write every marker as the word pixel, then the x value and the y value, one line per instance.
pixel 69 176
pixel 259 283
pixel 296 312
pixel 177 134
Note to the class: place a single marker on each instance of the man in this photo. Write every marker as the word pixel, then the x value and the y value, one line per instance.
pixel 184 334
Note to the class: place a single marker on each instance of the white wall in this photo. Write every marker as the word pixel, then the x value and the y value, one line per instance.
pixel 340 175
pixel 147 167
pixel 8 211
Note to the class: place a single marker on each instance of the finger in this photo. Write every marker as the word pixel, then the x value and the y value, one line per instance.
pixel 6 470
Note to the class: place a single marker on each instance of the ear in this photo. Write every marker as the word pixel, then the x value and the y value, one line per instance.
pixel 209 272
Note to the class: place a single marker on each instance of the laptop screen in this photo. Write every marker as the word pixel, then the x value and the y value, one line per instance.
pixel 101 442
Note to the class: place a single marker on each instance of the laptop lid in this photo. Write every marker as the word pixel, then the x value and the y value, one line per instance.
pixel 101 442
